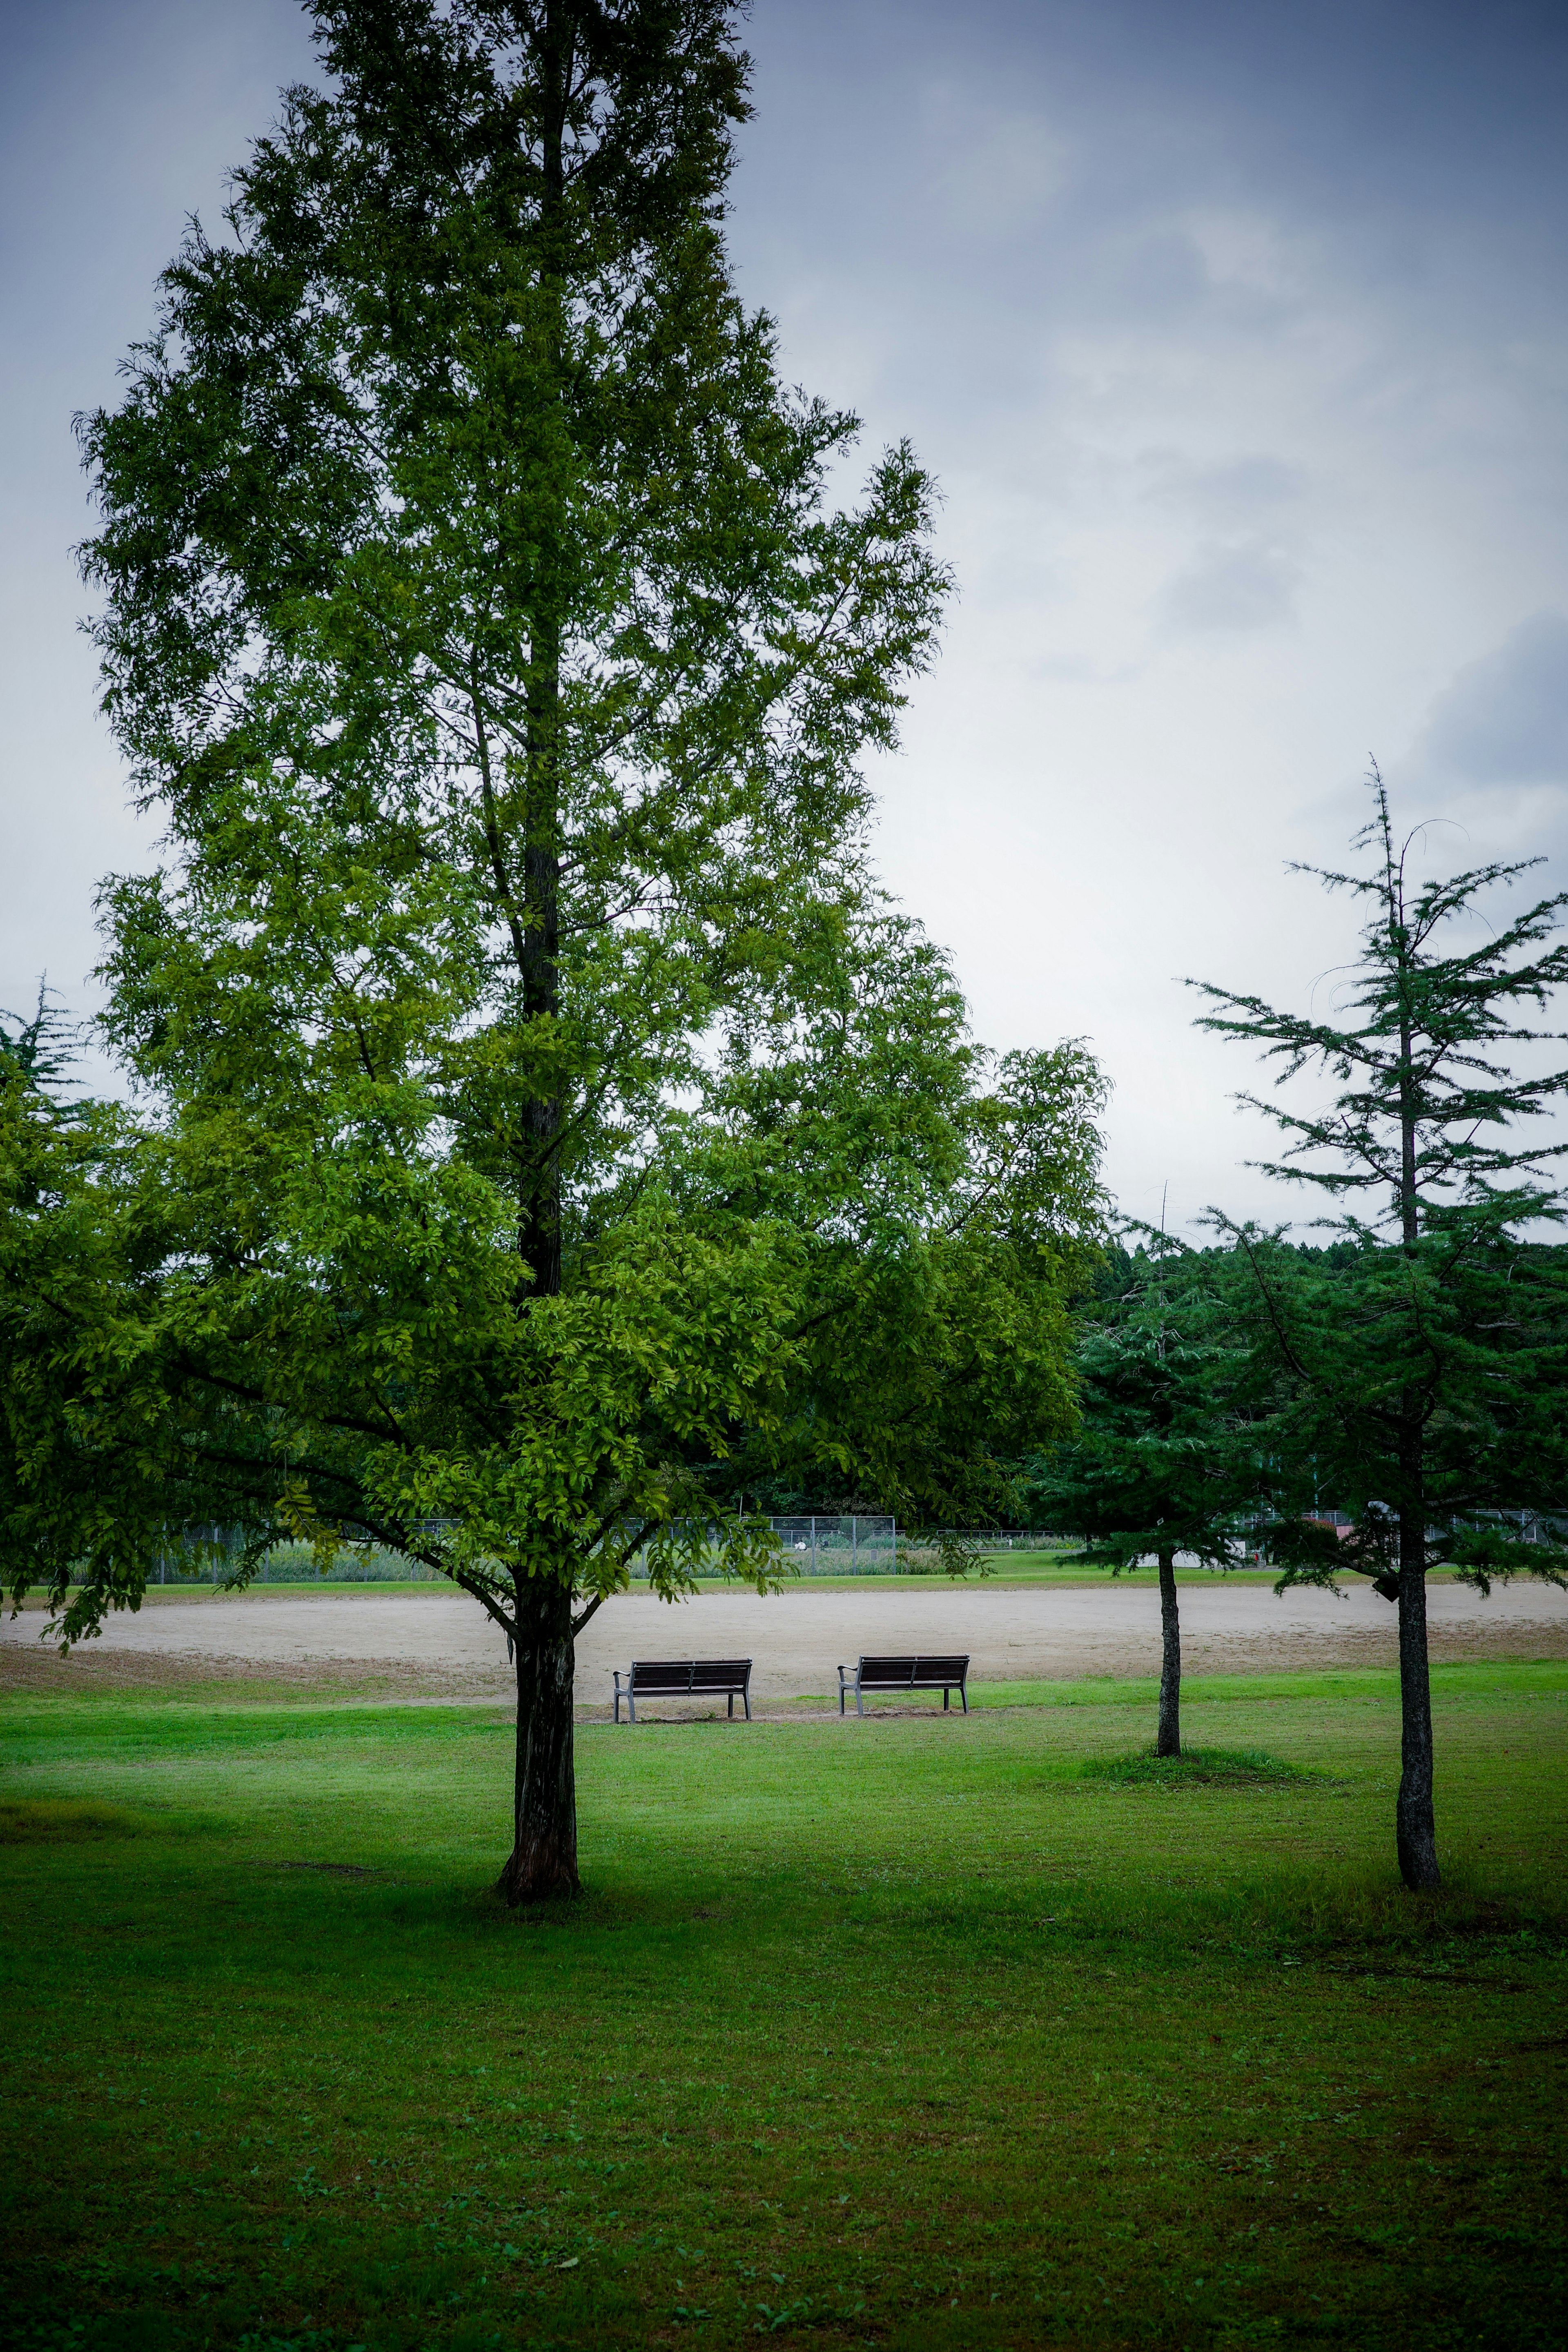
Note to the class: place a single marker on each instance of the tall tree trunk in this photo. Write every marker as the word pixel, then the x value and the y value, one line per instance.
pixel 543 1860
pixel 1416 1828
pixel 1169 1742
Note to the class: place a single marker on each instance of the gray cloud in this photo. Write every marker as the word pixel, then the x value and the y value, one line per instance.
pixel 1228 496
pixel 1504 721
pixel 1247 584
pixel 1235 337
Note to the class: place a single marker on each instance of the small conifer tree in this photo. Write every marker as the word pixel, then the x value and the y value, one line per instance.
pixel 1429 1358
pixel 1168 1457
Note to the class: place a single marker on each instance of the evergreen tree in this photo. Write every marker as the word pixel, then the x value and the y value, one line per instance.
pixel 543 1130
pixel 37 1051
pixel 1170 1456
pixel 1429 1356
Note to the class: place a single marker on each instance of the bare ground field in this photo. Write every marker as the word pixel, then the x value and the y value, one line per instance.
pixel 431 1643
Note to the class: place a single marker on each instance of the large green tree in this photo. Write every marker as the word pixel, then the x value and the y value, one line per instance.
pixel 542 1131
pixel 1428 1350
pixel 1173 1455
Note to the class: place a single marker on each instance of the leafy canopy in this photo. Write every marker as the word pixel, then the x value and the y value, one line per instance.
pixel 542 1125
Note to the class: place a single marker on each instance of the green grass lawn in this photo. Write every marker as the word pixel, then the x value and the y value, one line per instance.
pixel 922 2031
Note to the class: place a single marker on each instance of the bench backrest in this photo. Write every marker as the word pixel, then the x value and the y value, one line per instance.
pixel 720 1673
pixel 906 1672
pixel 662 1674
pixel 705 1674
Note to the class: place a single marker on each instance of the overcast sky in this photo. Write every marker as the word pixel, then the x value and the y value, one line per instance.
pixel 1235 335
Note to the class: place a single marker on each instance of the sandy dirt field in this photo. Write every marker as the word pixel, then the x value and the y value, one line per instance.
pixel 435 1642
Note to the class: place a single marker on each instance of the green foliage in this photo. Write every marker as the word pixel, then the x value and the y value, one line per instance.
pixel 1461 1336
pixel 37 1052
pixel 950 1553
pixel 1481 1554
pixel 1174 1451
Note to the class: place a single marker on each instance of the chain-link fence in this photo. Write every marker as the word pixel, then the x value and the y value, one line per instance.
pixel 824 1546
pixel 819 1544
pixel 295 1563
pixel 856 1545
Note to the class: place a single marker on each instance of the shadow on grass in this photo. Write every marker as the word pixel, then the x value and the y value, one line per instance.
pixel 1224 1767
pixel 64 1820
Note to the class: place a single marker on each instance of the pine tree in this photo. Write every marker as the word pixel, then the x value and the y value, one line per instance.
pixel 1430 1355
pixel 1170 1455
pixel 37 1051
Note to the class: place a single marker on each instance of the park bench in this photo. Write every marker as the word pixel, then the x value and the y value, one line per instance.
pixel 880 1676
pixel 726 1679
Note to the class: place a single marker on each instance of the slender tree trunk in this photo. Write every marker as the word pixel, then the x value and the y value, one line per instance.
pixel 1169 1742
pixel 1415 1828
pixel 544 1850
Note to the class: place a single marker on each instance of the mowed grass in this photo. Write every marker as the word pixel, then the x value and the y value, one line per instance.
pixel 910 2032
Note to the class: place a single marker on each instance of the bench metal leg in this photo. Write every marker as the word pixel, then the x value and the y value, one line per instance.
pixel 631 1705
pixel 729 1704
pixel 860 1703
pixel 944 1698
pixel 746 1702
pixel 964 1697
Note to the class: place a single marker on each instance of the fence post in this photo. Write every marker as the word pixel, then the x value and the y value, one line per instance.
pixel 855 1544
pixel 813 1546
